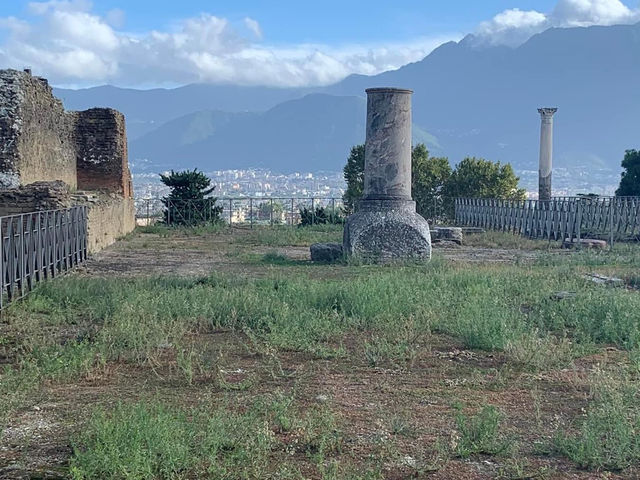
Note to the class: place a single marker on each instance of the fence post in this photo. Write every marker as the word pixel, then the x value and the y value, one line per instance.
pixel 2 265
pixel 230 212
pixel 579 221
pixel 251 211
pixel 292 211
pixel 611 216
pixel 313 211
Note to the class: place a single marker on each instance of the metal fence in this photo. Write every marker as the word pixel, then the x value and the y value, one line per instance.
pixel 247 211
pixel 39 245
pixel 610 218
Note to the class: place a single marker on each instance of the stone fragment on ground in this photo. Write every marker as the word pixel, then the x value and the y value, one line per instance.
pixel 449 234
pixel 472 230
pixel 585 243
pixel 326 252
pixel 563 295
pixel 603 279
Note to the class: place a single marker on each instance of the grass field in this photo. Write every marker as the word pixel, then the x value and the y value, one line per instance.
pixel 500 359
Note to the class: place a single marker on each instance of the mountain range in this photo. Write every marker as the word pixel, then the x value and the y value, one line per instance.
pixel 469 100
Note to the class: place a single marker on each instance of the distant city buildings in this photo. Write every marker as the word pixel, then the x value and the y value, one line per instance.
pixel 254 183
pixel 259 183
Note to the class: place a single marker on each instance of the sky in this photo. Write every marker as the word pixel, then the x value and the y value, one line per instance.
pixel 285 43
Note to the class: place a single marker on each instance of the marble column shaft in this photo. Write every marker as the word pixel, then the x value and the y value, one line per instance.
pixel 388 145
pixel 546 153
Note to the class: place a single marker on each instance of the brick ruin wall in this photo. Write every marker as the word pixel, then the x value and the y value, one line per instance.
pixel 47 154
pixel 101 145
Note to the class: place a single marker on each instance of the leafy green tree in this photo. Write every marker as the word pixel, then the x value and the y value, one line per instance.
pixel 630 181
pixel 187 203
pixel 264 211
pixel 428 177
pixel 429 174
pixel 354 176
pixel 480 178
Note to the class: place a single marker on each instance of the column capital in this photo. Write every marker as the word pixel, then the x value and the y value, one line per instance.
pixel 547 111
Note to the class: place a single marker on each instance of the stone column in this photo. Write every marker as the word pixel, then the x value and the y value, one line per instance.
pixel 546 153
pixel 388 146
pixel 386 225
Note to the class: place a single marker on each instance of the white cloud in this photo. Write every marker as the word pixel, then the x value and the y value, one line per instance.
pixel 66 41
pixel 592 12
pixel 254 27
pixel 513 27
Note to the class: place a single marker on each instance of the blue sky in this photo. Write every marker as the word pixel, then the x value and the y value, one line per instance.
pixel 145 43
pixel 290 21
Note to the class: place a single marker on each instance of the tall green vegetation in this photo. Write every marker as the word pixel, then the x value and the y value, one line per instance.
pixel 630 181
pixel 187 203
pixel 480 178
pixel 429 176
pixel 434 184
pixel 354 176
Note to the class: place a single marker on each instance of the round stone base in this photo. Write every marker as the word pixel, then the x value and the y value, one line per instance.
pixel 387 235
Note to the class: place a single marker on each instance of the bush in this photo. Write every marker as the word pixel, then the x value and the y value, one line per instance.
pixel 320 216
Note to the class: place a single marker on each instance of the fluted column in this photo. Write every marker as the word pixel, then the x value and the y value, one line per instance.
pixel 546 153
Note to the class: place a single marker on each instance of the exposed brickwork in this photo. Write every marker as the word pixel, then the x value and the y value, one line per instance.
pixel 101 146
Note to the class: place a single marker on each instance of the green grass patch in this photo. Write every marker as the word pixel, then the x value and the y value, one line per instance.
pixel 608 437
pixel 150 440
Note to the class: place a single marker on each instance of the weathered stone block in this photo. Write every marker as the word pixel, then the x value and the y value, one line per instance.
pixel 449 234
pixel 326 252
pixel 391 234
pixel 585 243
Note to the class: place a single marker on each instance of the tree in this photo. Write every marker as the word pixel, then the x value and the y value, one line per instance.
pixel 354 176
pixel 265 213
pixel 187 203
pixel 428 177
pixel 480 178
pixel 630 181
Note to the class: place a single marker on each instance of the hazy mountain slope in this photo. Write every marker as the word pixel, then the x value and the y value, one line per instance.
pixel 475 100
pixel 145 110
pixel 483 101
pixel 313 133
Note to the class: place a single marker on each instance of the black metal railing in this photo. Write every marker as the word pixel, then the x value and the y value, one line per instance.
pixel 248 211
pixel 39 245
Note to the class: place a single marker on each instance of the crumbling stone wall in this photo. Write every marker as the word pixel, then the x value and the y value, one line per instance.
pixel 109 217
pixel 101 146
pixel 36 134
pixel 35 197
pixel 46 153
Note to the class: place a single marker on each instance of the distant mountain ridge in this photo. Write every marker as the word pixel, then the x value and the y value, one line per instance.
pixel 472 99
pixel 316 129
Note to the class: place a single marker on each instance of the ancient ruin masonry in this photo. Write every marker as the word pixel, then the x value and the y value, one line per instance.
pixel 386 225
pixel 51 158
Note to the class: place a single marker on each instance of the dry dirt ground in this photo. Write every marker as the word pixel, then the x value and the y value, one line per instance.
pixel 151 254
pixel 366 400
